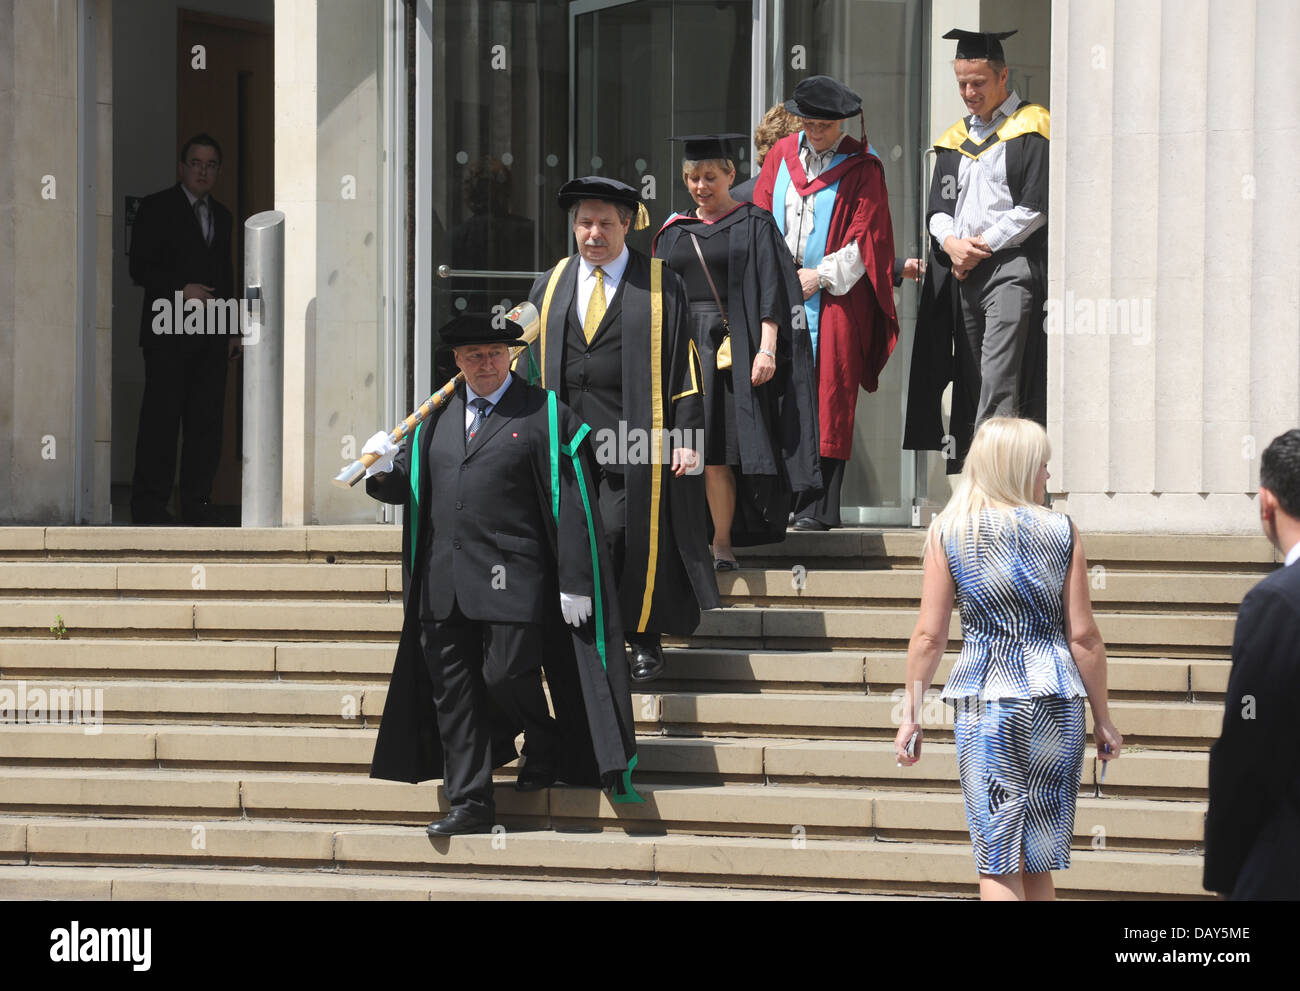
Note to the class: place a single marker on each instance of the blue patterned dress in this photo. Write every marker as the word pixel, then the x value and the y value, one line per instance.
pixel 1020 725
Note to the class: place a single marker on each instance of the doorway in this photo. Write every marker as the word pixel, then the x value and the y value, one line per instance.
pixel 216 76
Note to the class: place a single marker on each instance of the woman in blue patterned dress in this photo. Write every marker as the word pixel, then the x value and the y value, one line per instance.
pixel 1031 653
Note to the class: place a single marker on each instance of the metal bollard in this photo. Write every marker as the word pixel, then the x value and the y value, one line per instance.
pixel 263 454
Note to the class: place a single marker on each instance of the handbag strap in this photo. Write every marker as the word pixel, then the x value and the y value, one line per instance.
pixel 714 289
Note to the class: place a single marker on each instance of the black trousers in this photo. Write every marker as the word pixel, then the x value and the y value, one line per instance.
pixel 824 508
pixel 487 678
pixel 184 383
pixel 611 497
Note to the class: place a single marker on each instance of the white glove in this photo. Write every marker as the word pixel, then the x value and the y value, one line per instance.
pixel 576 608
pixel 385 448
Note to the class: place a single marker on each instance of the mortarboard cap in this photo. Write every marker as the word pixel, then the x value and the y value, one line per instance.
pixel 594 187
pixel 702 147
pixel 979 44
pixel 823 98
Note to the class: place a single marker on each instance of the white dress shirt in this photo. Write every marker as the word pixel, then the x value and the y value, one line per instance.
pixel 587 282
pixel 984 205
pixel 1293 554
pixel 840 270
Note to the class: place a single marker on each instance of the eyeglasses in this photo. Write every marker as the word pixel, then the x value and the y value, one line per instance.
pixel 201 166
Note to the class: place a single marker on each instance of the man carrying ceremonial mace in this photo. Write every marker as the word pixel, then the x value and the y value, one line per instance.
pixel 501 539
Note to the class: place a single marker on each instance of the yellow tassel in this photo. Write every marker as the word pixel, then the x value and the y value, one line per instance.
pixel 642 217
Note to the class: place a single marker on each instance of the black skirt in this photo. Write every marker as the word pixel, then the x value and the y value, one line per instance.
pixel 721 446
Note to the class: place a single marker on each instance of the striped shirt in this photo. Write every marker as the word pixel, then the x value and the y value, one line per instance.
pixel 984 204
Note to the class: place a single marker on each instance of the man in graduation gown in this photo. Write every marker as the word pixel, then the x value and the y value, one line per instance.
pixel 980 322
pixel 615 344
pixel 775 423
pixel 827 193
pixel 500 537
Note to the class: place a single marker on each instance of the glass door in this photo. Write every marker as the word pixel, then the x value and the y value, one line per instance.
pixel 644 71
pixel 876 47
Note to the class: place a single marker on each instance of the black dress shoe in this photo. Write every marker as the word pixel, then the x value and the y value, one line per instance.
pixel 809 524
pixel 460 821
pixel 647 662
pixel 535 775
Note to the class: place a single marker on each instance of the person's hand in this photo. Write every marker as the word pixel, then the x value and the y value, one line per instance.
pixel 197 290
pixel 763 370
pixel 576 609
pixel 912 269
pixel 905 732
pixel 684 460
pixel 810 281
pixel 387 451
pixel 965 253
pixel 1105 733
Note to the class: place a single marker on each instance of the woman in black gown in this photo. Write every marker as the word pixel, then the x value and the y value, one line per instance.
pixel 761 440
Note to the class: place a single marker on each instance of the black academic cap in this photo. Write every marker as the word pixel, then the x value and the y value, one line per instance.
pixel 480 328
pixel 703 147
pixel 595 187
pixel 823 98
pixel 979 44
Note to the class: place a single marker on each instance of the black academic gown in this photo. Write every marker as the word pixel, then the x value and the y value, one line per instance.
pixel 667 572
pixel 938 319
pixel 776 424
pixel 562 539
pixel 1252 826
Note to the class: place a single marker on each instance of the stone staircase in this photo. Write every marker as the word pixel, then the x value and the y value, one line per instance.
pixel 233 680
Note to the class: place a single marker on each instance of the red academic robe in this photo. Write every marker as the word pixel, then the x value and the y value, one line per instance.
pixel 857 331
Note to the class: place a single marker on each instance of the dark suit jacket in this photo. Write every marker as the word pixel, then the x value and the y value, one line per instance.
pixel 1252 829
pixel 486 536
pixel 168 252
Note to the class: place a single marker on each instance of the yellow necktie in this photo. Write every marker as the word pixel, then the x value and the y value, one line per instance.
pixel 595 306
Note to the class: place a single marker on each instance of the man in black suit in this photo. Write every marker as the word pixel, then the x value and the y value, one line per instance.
pixel 1252 829
pixel 615 343
pixel 189 330
pixel 501 529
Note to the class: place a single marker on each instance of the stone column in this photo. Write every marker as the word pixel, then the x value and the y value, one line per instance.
pixel 1175 277
pixel 295 195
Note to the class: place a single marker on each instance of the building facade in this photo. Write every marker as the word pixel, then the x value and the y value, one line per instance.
pixel 415 148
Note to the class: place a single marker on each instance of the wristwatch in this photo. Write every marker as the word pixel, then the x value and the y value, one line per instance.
pixel 770 354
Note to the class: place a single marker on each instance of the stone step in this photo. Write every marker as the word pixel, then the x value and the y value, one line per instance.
pixel 374 582
pixel 851 865
pixel 351 706
pixel 1140 773
pixel 1183 634
pixel 696 668
pixel 745 810
pixel 1148 591
pixel 214 884
pixel 900 547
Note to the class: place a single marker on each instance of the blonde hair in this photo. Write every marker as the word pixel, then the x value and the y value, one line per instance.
pixel 723 164
pixel 999 474
pixel 775 125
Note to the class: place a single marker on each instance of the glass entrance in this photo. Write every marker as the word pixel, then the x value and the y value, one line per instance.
pixel 876 47
pixel 644 71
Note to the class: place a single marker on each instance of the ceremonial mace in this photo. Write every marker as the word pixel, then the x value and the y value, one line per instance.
pixel 525 314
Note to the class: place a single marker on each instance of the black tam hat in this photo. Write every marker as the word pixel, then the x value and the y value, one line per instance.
pixel 979 44
pixel 704 147
pixel 480 328
pixel 594 187
pixel 823 98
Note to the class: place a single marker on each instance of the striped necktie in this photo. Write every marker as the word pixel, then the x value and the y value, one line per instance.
pixel 201 208
pixel 480 414
pixel 595 307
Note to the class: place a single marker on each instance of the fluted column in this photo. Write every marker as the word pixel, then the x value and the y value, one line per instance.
pixel 1175 273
